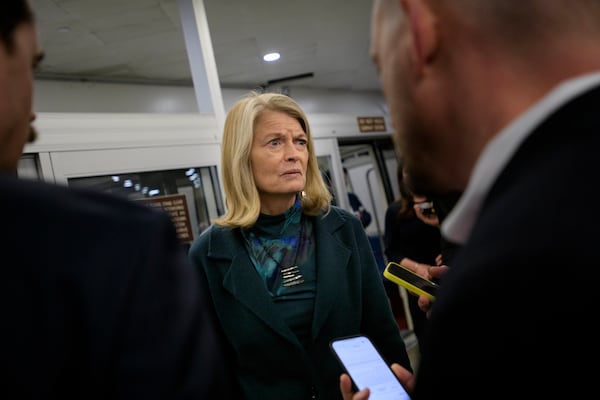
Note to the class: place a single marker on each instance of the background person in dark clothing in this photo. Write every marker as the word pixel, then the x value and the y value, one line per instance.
pixel 442 204
pixel 410 242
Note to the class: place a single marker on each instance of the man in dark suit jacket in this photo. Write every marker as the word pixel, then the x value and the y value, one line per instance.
pixel 500 100
pixel 98 298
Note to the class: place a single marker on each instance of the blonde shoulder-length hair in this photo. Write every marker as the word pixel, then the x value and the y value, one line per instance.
pixel 241 194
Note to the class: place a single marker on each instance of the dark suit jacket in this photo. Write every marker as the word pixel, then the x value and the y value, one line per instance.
pixel 517 311
pixel 99 301
pixel 269 359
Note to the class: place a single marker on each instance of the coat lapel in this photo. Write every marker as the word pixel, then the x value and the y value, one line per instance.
pixel 241 280
pixel 332 260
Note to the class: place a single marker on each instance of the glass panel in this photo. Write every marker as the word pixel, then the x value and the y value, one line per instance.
pixel 325 166
pixel 370 163
pixel 28 167
pixel 191 196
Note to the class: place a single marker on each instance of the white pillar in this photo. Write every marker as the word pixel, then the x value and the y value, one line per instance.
pixel 202 60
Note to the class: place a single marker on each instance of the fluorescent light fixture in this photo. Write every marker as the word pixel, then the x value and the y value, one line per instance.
pixel 271 57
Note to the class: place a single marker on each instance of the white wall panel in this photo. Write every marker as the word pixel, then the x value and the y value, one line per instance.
pixel 70 164
pixel 85 131
pixel 93 97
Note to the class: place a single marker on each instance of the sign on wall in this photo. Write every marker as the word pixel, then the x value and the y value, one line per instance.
pixel 371 124
pixel 176 206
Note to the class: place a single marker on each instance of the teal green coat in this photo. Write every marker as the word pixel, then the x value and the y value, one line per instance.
pixel 268 359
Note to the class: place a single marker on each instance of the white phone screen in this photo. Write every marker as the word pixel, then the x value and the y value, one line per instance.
pixel 367 368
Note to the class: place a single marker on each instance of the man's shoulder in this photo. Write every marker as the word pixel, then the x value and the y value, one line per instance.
pixel 71 229
pixel 58 202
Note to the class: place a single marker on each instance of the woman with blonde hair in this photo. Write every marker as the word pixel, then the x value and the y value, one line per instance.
pixel 287 271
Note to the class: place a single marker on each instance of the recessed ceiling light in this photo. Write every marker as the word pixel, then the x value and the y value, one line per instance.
pixel 271 57
pixel 63 29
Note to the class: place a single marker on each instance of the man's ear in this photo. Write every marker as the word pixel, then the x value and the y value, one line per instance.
pixel 422 25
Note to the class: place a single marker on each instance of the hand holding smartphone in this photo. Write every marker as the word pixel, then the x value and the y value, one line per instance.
pixel 408 279
pixel 426 207
pixel 367 368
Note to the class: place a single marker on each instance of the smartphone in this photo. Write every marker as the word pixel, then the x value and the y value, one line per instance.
pixel 426 207
pixel 412 282
pixel 367 368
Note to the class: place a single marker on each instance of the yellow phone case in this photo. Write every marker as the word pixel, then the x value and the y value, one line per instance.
pixel 406 278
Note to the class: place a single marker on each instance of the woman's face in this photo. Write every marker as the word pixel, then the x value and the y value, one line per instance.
pixel 279 158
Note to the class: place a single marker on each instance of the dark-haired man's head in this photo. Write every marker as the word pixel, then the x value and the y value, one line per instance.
pixel 19 55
